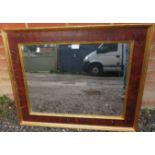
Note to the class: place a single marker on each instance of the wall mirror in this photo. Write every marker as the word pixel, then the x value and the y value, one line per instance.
pixel 79 77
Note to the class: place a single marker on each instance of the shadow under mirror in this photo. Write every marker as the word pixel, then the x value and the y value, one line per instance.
pixel 88 79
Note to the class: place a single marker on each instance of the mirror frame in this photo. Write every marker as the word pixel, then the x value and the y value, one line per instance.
pixel 139 37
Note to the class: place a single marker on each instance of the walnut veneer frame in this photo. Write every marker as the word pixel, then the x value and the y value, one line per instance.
pixel 139 37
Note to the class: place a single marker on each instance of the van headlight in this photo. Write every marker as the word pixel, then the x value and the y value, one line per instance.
pixel 86 58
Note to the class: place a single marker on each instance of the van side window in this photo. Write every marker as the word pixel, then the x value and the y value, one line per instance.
pixel 105 48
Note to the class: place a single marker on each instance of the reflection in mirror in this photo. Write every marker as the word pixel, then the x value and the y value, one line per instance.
pixel 77 78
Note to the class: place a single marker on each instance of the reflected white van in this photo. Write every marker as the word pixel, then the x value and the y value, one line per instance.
pixel 108 57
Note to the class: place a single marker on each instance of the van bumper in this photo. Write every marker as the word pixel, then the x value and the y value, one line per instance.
pixel 86 66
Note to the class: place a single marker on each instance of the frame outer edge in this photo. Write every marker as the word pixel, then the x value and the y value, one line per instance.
pixel 142 82
pixel 89 26
pixel 11 74
pixel 144 73
pixel 84 127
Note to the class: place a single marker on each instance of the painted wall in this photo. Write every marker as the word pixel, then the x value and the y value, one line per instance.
pixel 5 84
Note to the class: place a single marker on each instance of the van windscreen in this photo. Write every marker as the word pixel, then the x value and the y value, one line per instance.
pixel 108 47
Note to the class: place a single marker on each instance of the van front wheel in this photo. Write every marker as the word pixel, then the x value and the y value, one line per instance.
pixel 96 69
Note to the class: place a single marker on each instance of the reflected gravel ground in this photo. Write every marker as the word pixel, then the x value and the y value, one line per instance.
pixel 75 94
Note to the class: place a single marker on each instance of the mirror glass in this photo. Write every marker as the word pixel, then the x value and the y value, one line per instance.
pixel 77 78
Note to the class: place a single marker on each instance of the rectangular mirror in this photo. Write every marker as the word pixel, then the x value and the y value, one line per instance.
pixel 81 78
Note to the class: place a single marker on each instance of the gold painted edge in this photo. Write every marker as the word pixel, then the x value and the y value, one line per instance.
pixel 79 126
pixel 121 117
pixel 77 115
pixel 11 75
pixel 21 59
pixel 72 42
pixel 80 27
pixel 144 73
